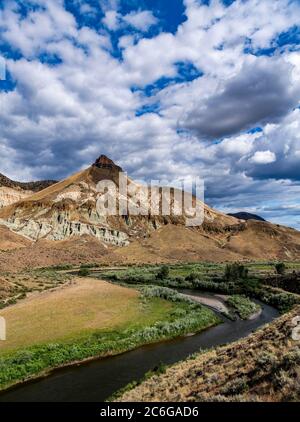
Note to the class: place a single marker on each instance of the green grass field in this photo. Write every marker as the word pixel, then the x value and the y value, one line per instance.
pixel 205 270
pixel 91 318
pixel 76 311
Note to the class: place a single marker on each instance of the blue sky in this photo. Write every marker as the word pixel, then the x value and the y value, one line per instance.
pixel 167 89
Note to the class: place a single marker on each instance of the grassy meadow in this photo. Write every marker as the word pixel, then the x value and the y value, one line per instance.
pixel 76 310
pixel 91 318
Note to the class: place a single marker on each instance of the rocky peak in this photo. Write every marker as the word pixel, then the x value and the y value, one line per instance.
pixel 103 162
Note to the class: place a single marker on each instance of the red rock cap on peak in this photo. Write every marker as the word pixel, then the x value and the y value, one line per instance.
pixel 104 162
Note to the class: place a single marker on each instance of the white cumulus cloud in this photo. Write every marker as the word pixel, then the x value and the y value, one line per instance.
pixel 263 157
pixel 236 125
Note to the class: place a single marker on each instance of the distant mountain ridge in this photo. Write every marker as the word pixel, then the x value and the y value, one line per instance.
pixel 243 215
pixel 32 186
pixel 12 191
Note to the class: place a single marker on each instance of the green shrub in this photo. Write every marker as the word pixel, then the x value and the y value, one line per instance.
pixel 92 265
pixel 235 272
pixel 282 379
pixel 243 306
pixel 284 302
pixel 193 276
pixel 280 267
pixel 266 361
pixel 83 272
pixel 292 358
pixel 237 386
pixel 163 273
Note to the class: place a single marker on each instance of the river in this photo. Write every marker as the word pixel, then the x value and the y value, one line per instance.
pixel 97 380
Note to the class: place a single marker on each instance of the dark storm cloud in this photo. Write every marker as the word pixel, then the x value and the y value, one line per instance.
pixel 261 93
pixel 283 168
pixel 293 210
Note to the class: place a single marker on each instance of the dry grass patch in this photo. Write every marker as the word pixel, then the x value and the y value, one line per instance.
pixel 86 305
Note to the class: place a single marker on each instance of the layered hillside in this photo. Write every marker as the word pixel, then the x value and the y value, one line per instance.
pixel 9 196
pixel 63 223
pixel 249 240
pixel 12 191
pixel 69 208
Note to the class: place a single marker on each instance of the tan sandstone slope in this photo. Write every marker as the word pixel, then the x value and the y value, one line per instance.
pixel 68 208
pixel 64 217
pixel 11 191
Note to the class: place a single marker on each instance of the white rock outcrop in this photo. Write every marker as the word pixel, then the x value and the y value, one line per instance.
pixel 60 227
pixel 9 196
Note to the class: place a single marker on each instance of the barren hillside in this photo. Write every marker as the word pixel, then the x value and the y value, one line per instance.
pixel 62 224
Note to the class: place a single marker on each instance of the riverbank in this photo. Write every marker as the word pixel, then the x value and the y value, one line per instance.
pixel 210 301
pixel 97 380
pixel 39 360
pixel 232 307
pixel 261 367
